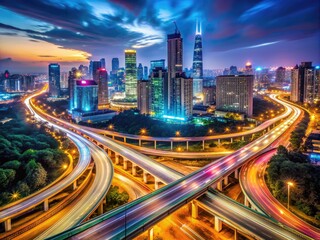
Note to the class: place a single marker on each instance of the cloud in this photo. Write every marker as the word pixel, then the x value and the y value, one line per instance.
pixel 46 56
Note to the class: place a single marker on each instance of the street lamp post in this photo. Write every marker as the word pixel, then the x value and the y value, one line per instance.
pixel 290 184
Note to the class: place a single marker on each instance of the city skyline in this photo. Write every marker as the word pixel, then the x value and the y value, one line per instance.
pixel 263 32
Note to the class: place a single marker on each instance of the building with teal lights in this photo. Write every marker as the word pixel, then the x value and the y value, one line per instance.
pixel 86 96
pixel 131 74
pixel 157 95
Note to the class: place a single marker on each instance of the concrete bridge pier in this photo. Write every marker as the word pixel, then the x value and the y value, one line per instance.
pixel 202 144
pixel 139 142
pixel 109 152
pixel 155 144
pixel 150 234
pixel 194 209
pixel 226 180
pixel 125 164
pixel 100 208
pixel 117 160
pixel 219 185
pixel 134 170
pixel 171 145
pixel 156 183
pixel 236 173
pixel 7 225
pixel 217 224
pixel 46 205
pixel 75 185
pixel 145 177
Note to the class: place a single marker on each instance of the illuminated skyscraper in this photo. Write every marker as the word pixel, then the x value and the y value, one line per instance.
pixel 175 61
pixel 102 87
pixel 305 84
pixel 103 63
pixel 131 74
pixel 115 64
pixel 95 66
pixel 54 80
pixel 280 75
pixel 197 63
pixel 143 100
pixel 145 73
pixel 158 91
pixel 140 72
pixel 157 63
pixel 86 96
pixel 235 94
pixel 73 75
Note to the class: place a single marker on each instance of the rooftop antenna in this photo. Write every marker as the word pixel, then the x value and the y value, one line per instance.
pixel 177 30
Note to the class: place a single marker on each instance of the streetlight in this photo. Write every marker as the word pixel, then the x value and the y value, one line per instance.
pixel 177 133
pixel 64 166
pixel 290 184
pixel 15 195
pixel 210 131
pixel 110 127
pixel 143 131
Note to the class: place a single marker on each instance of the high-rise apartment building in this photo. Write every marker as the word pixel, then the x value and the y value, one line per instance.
pixel 197 63
pixel 145 73
pixel 175 61
pixel 140 72
pixel 95 66
pixel 182 97
pixel 143 99
pixel 54 80
pixel 102 87
pixel 131 74
pixel 115 64
pixel 235 94
pixel 157 63
pixel 209 95
pixel 158 91
pixel 280 75
pixel 305 83
pixel 103 63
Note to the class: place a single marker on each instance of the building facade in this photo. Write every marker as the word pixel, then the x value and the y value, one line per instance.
pixel 131 74
pixel 54 80
pixel 280 75
pixel 95 66
pixel 209 95
pixel 143 101
pixel 115 64
pixel 140 72
pixel 102 87
pixel 86 96
pixel 157 64
pixel 158 79
pixel 235 94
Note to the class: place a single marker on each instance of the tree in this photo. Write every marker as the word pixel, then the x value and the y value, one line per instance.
pixel 281 150
pixel 15 164
pixel 36 175
pixel 6 177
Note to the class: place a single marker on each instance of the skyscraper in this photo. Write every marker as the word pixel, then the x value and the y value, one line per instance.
pixel 197 63
pixel 102 87
pixel 182 96
pixel 175 61
pixel 140 72
pixel 143 100
pixel 86 96
pixel 95 66
pixel 115 64
pixel 131 74
pixel 54 80
pixel 280 75
pixel 103 63
pixel 305 84
pixel 157 91
pixel 157 63
pixel 145 73
pixel 73 75
pixel 233 70
pixel 235 94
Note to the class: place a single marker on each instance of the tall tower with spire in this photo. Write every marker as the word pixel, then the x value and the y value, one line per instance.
pixel 197 62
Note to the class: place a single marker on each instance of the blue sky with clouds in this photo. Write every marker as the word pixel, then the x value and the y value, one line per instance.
pixel 267 32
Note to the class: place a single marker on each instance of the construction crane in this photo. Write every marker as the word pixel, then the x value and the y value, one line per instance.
pixel 177 30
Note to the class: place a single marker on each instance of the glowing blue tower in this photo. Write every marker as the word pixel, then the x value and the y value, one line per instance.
pixel 197 62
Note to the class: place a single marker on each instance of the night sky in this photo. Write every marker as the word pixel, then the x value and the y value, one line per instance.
pixel 34 33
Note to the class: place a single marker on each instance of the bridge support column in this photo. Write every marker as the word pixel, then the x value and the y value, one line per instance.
pixel 219 185
pixel 145 177
pixel 219 141
pixel 242 138
pixel 156 183
pixel 124 140
pixel 134 170
pixel 109 152
pixel 236 173
pixel 125 164
pixel 217 224
pixel 246 202
pixel 150 234
pixel 117 159
pixel 7 225
pixel 139 142
pixel 171 145
pixel 100 208
pixel 46 205
pixel 194 209
pixel 75 185
pixel 155 144
pixel 236 236
pixel 231 140
pixel 202 144
pixel 187 145
pixel 226 180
